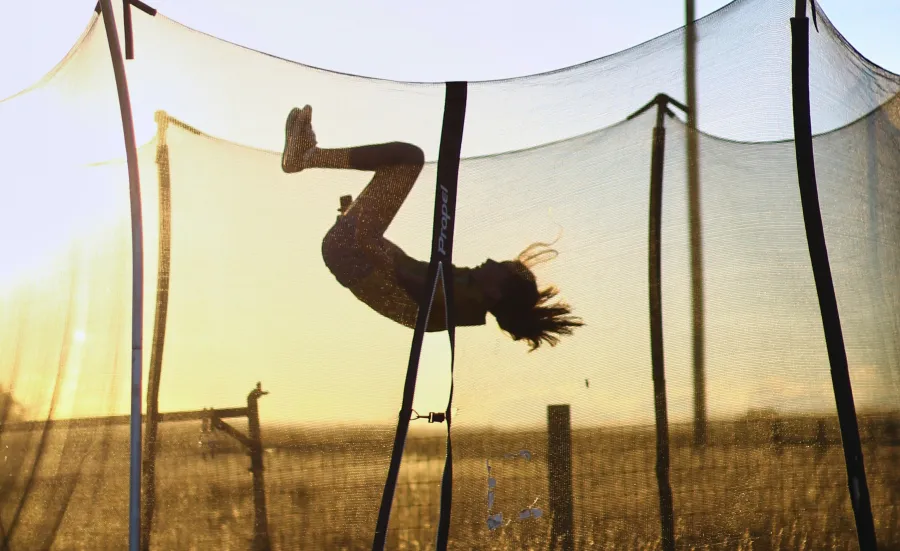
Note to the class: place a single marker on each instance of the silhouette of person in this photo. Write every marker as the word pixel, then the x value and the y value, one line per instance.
pixel 389 281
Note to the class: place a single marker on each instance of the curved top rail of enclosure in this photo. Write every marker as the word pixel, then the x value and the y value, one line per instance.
pixel 242 95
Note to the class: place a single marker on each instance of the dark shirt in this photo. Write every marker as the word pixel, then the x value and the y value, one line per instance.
pixel 394 291
pixel 411 275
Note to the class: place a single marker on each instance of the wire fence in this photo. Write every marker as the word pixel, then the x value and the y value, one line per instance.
pixel 759 484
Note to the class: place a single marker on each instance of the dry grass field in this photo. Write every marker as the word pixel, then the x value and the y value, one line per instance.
pixel 323 489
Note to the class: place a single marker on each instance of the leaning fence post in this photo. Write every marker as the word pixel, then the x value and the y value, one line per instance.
pixel 559 467
pixel 260 516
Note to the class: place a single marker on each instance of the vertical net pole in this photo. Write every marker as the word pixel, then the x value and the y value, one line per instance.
pixel 137 262
pixel 701 430
pixel 559 471
pixel 666 515
pixel 818 252
pixel 159 328
pixel 656 344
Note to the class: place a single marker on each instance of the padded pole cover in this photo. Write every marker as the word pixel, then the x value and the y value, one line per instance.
pixel 818 252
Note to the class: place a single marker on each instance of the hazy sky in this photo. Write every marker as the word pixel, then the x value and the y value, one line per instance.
pixel 411 40
pixel 303 361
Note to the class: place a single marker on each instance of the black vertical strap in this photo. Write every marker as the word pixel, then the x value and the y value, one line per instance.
pixel 447 179
pixel 818 252
pixel 441 256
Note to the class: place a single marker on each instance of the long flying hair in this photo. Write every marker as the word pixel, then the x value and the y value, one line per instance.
pixel 524 311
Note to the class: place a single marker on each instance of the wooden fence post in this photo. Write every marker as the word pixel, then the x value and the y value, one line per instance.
pixel 261 540
pixel 559 467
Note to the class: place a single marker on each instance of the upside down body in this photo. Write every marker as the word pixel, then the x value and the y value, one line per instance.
pixel 381 275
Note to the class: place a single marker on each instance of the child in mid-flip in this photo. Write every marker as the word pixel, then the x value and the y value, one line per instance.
pixel 381 275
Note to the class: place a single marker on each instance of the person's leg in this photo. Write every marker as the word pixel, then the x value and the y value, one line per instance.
pixel 397 166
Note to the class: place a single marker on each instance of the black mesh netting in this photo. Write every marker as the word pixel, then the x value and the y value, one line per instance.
pixel 240 288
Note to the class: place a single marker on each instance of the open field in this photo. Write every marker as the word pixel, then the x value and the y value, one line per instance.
pixel 323 490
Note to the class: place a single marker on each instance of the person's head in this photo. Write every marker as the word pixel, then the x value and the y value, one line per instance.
pixel 521 309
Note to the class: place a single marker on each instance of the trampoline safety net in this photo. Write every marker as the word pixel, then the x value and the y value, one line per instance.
pixel 318 279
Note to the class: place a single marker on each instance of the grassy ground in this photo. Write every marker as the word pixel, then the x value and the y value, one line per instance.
pixel 323 489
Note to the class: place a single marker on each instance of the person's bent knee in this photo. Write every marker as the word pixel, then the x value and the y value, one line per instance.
pixel 408 154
